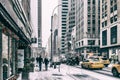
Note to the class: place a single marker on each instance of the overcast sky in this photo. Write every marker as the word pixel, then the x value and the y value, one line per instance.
pixel 47 8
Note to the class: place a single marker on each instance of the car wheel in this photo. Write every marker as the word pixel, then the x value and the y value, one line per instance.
pixel 100 68
pixel 115 72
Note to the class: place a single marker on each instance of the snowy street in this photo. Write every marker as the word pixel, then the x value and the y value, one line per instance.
pixel 71 73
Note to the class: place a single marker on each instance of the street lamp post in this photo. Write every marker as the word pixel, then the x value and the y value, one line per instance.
pixel 52 30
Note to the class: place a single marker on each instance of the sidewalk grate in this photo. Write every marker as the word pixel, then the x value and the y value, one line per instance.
pixel 84 77
pixel 57 74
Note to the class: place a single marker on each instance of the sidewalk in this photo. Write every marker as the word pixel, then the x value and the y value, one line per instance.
pixel 51 74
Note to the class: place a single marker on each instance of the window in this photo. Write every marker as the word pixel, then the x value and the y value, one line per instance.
pixel 105 7
pixel 93 2
pixel 88 21
pixel 106 23
pixel 105 13
pixel 102 24
pixel 111 9
pixel 82 42
pixel 93 21
pixel 104 38
pixel 111 19
pixel 111 2
pixel 88 16
pixel 115 18
pixel 91 42
pixel 103 1
pixel 115 7
pixel 93 30
pixel 93 16
pixel 102 15
pixel 113 35
pixel 88 30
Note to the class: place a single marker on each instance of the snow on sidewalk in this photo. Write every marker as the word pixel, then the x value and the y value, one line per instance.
pixel 51 74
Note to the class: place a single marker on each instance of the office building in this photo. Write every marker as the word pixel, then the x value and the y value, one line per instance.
pixel 109 29
pixel 62 13
pixel 39 24
pixel 15 36
pixel 87 27
pixel 70 23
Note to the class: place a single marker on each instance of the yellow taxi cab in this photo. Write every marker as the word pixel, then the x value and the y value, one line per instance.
pixel 105 61
pixel 92 64
pixel 116 70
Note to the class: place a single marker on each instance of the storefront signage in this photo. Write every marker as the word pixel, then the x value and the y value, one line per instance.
pixel 20 53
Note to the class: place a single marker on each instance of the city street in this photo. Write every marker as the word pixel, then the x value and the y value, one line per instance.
pixel 71 73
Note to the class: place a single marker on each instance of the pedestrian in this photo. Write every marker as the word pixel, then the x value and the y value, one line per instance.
pixel 40 61
pixel 46 61
pixel 77 60
pixel 37 59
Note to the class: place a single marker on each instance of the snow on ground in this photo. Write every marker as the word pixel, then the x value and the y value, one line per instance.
pixel 68 73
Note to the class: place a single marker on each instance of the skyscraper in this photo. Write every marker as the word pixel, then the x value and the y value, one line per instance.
pixel 70 23
pixel 87 26
pixel 39 24
pixel 63 10
pixel 109 29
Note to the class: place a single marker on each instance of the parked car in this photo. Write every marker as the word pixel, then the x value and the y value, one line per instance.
pixel 92 64
pixel 116 70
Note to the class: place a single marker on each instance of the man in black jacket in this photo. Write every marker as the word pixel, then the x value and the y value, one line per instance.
pixel 46 61
pixel 40 60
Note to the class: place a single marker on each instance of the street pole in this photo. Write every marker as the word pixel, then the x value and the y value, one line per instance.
pixel 52 30
pixel 52 33
pixel 59 59
pixel 51 39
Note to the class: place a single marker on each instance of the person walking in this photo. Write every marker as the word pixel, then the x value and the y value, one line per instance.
pixel 77 60
pixel 46 61
pixel 40 60
pixel 37 59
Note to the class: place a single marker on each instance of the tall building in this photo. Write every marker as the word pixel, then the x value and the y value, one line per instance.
pixel 62 13
pixel 87 26
pixel 39 24
pixel 55 35
pixel 70 23
pixel 109 29
pixel 15 36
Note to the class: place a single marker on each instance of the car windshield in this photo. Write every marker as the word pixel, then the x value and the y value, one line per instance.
pixel 95 59
pixel 104 58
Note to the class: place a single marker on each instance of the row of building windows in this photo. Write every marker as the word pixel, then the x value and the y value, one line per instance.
pixel 93 1
pixel 113 8
pixel 90 42
pixel 104 23
pixel 112 19
pixel 113 34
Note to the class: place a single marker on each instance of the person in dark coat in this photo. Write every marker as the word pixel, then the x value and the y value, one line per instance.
pixel 77 60
pixel 37 59
pixel 46 61
pixel 40 60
